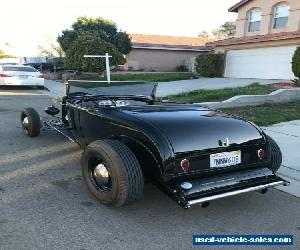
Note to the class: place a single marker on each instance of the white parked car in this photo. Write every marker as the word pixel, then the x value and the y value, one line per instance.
pixel 20 75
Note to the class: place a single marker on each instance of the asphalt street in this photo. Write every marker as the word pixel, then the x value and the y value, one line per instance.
pixel 45 205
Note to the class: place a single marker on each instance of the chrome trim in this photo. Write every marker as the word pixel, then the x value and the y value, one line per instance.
pixel 25 120
pixel 101 174
pixel 219 196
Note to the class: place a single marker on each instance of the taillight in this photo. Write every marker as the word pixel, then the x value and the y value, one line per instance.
pixel 185 165
pixel 4 75
pixel 261 154
pixel 41 76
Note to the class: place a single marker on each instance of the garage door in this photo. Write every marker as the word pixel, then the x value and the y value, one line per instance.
pixel 264 63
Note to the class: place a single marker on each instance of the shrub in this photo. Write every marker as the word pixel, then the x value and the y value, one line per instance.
pixel 181 68
pixel 210 65
pixel 89 45
pixel 296 64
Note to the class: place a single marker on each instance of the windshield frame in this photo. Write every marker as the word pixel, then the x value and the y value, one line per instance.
pixel 95 92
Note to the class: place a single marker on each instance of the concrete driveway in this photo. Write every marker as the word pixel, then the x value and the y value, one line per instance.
pixel 45 205
pixel 287 135
pixel 177 87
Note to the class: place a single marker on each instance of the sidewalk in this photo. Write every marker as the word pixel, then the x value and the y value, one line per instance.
pixel 177 87
pixel 287 135
pixel 55 88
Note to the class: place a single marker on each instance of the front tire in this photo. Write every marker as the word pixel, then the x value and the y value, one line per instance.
pixel 31 122
pixel 112 173
pixel 276 154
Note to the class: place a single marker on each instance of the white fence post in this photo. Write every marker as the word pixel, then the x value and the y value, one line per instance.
pixel 106 56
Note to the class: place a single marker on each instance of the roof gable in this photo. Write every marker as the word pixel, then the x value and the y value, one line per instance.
pixel 256 39
pixel 143 41
pixel 236 7
pixel 168 40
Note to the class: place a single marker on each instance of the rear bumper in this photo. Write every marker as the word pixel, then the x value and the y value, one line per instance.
pixel 11 81
pixel 236 192
pixel 206 189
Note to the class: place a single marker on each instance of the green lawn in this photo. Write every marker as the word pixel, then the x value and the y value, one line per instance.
pixel 204 95
pixel 268 114
pixel 147 77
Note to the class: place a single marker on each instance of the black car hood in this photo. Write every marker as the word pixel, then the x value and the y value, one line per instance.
pixel 193 128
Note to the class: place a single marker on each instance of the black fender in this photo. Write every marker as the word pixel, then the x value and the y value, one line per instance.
pixel 150 160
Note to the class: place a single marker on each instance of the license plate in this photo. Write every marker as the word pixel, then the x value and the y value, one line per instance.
pixel 225 159
pixel 23 77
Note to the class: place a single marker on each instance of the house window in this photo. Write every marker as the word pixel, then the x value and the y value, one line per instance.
pixel 254 20
pixel 281 16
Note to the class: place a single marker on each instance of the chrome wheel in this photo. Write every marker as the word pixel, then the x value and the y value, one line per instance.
pixel 100 176
pixel 25 123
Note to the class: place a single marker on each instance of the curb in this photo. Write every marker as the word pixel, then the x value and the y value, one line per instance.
pixel 278 96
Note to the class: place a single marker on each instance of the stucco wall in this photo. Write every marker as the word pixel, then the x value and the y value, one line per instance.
pixel 267 8
pixel 158 60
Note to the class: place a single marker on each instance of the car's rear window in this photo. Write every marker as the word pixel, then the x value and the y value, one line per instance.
pixel 22 69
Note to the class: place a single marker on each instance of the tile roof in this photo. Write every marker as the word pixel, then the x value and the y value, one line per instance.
pixel 168 42
pixel 254 39
pixel 236 7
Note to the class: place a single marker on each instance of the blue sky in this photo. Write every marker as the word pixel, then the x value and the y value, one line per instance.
pixel 26 24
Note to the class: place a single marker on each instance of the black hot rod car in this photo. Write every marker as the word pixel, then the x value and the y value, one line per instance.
pixel 191 153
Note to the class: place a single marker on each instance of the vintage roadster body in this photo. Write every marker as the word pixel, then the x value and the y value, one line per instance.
pixel 190 152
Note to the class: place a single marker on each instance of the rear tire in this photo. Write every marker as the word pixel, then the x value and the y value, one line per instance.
pixel 31 122
pixel 112 173
pixel 276 154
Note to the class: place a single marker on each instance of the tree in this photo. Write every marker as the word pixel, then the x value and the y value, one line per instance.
pixel 95 27
pixel 5 55
pixel 84 45
pixel 50 49
pixel 226 30
pixel 204 34
pixel 296 64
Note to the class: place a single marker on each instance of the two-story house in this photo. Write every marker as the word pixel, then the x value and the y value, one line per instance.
pixel 267 34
